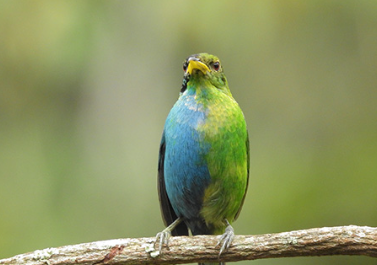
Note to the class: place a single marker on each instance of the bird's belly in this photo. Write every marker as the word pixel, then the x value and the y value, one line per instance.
pixel 186 173
pixel 205 166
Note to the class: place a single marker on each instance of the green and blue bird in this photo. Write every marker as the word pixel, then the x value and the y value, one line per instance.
pixel 203 168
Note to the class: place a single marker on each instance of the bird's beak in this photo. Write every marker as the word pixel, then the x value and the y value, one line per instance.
pixel 194 63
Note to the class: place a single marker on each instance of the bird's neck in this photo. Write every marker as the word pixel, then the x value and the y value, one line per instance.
pixel 205 92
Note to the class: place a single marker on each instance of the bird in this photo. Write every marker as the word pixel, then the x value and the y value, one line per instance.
pixel 203 165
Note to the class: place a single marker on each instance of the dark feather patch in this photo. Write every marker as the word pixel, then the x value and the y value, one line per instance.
pixel 186 78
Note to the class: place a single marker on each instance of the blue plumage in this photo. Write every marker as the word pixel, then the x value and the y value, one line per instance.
pixel 204 156
pixel 185 148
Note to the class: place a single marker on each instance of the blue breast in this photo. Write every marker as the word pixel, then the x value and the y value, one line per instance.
pixel 186 173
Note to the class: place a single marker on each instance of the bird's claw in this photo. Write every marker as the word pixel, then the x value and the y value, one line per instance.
pixel 226 239
pixel 164 235
pixel 162 238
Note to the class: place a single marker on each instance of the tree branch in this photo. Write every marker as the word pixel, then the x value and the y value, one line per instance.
pixel 341 240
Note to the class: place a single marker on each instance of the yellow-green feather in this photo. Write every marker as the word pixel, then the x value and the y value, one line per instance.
pixel 225 130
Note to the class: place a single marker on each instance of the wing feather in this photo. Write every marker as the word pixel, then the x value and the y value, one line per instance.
pixel 248 167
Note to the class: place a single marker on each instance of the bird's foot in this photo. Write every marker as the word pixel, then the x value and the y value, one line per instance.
pixel 163 237
pixel 226 239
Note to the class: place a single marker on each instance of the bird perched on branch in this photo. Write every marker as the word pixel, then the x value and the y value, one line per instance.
pixel 203 167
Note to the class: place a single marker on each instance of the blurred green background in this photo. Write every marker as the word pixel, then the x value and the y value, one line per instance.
pixel 85 87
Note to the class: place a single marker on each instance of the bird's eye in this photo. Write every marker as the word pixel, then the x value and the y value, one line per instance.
pixel 216 66
pixel 185 66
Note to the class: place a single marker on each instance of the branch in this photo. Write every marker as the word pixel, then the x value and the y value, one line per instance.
pixel 341 240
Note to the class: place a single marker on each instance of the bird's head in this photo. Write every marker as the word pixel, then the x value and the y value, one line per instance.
pixel 204 67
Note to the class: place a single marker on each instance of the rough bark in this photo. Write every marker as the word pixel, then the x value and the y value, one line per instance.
pixel 342 240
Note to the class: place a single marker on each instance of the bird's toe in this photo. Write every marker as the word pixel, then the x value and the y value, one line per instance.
pixel 162 238
pixel 226 239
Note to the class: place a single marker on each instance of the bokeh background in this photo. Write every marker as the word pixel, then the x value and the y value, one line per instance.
pixel 85 87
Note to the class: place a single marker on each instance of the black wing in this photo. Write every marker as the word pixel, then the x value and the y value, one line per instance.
pixel 248 167
pixel 168 214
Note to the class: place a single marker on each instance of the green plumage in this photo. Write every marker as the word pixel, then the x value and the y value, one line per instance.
pixel 225 130
pixel 204 155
